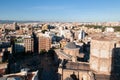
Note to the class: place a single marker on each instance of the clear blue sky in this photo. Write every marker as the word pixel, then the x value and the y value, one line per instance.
pixel 60 10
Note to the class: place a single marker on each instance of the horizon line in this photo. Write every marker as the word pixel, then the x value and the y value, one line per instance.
pixel 57 21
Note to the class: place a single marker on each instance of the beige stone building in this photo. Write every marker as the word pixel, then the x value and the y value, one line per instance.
pixel 105 51
pixel 69 52
pixel 63 42
pixel 75 71
pixel 45 27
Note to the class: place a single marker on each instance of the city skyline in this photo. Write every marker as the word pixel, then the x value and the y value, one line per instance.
pixel 62 10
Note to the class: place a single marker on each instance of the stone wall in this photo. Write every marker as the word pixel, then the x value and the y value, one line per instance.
pixel 80 75
pixel 101 55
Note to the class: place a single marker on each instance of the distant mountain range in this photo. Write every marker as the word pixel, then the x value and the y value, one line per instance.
pixel 11 21
pixel 27 21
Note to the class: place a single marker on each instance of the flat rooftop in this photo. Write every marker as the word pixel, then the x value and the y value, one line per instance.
pixel 105 37
pixel 77 66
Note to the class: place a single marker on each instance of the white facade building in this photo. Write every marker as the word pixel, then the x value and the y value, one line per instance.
pixel 81 35
pixel 109 29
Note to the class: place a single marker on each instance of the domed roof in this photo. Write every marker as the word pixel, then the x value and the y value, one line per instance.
pixel 71 45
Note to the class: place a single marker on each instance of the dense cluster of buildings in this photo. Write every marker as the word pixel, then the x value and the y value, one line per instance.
pixel 81 53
